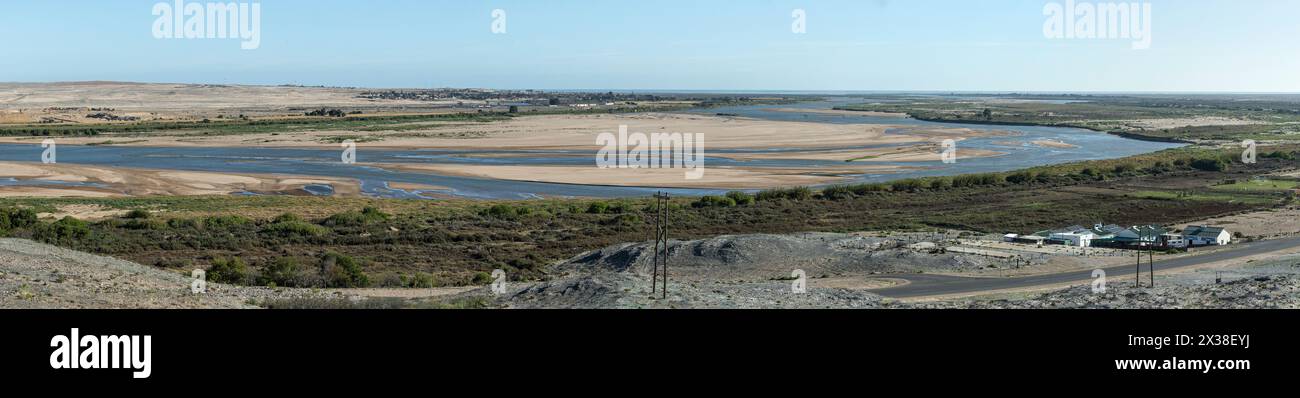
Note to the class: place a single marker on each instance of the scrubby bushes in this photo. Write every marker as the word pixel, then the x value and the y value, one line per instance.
pixel 506 212
pixel 339 270
pixel 481 278
pixel 286 272
pixel 229 270
pixel 907 185
pixel 287 217
pixel 1209 164
pixel 178 223
pixel 975 180
pixel 796 193
pixel 741 198
pixel 713 201
pixel 218 222
pixel 65 231
pixel 597 208
pixel 1021 177
pixel 16 218
pixel 144 224
pixel 418 281
pixel 367 215
pixel 295 228
pixel 137 214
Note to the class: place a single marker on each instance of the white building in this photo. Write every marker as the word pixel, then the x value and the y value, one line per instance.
pixel 1198 235
pixel 1080 238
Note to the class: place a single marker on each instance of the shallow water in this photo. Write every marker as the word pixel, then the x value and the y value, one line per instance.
pixel 375 182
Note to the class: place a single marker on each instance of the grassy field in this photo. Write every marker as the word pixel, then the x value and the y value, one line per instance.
pixel 1259 185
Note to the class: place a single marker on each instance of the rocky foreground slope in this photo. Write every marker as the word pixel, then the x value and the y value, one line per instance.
pixel 750 271
pixel 34 275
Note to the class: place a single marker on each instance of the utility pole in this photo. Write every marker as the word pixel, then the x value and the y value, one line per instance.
pixel 1137 271
pixel 661 243
pixel 1151 260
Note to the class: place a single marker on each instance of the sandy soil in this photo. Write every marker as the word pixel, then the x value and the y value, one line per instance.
pixel 910 153
pixel 141 182
pixel 152 98
pixel 839 112
pixel 84 212
pixel 714 177
pixel 1053 144
pixel 1263 224
pixel 1160 124
pixel 570 132
pixel 406 186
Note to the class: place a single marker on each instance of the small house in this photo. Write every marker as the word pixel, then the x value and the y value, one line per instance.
pixel 1198 235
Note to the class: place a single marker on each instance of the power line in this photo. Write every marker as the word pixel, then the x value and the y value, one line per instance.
pixel 662 220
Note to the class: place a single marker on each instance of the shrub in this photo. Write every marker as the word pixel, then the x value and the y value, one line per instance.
pixel 287 217
pixel 481 278
pixel 1022 177
pixel 974 180
pixel 863 189
pixel 626 220
pixel 837 192
pixel 65 231
pixel 219 222
pixel 144 224
pixel 908 185
pixel 418 281
pixel 284 271
pixel 339 270
pixel 796 193
pixel 502 211
pixel 295 228
pixel 232 271
pixel 137 214
pixel 597 208
pixel 714 201
pixel 741 198
pixel 940 183
pixel 374 214
pixel 185 223
pixel 351 218
pixel 17 218
pixel 1211 164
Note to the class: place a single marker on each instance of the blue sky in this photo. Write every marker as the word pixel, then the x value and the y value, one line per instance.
pixel 942 45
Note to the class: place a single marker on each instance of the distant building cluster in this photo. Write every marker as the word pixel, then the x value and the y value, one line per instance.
pixel 1115 236
pixel 527 97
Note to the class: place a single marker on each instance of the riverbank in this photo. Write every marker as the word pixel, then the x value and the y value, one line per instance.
pixel 68 180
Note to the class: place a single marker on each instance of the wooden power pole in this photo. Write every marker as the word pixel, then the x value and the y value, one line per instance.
pixel 662 220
